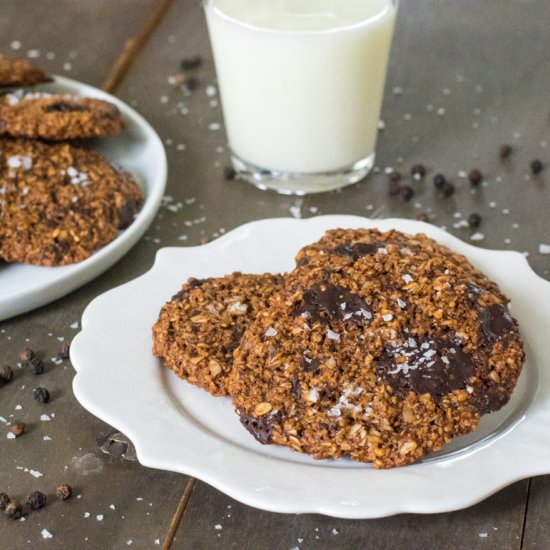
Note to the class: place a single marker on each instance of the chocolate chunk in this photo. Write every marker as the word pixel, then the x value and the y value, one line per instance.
pixel 494 322
pixel 261 428
pixel 326 302
pixel 490 400
pixel 425 365
pixel 128 213
pixel 310 364
pixel 194 283
pixel 357 250
pixel 65 107
pixel 296 390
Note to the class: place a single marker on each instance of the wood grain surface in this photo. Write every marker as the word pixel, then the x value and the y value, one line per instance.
pixel 464 77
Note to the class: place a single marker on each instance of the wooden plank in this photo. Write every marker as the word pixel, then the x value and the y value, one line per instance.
pixel 80 40
pixel 537 530
pixel 116 500
pixel 215 521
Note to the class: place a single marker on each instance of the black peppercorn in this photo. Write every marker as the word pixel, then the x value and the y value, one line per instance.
pixel 64 492
pixel 26 354
pixel 6 373
pixel 475 177
pixel 36 366
pixel 407 193
pixel 439 181
pixel 13 509
pixel 4 499
pixel 394 176
pixel 504 151
pixel 537 166
pixel 42 395
pixel 229 173
pixel 17 428
pixel 190 63
pixel 474 220
pixel 37 500
pixel 418 171
pixel 448 189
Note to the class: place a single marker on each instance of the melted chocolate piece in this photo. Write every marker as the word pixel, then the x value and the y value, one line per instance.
pixel 177 297
pixel 310 364
pixel 128 213
pixel 261 428
pixel 326 302
pixel 494 322
pixel 490 400
pixel 296 390
pixel 65 107
pixel 194 283
pixel 357 250
pixel 429 365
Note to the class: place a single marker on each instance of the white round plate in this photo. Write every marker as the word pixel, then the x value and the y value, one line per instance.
pixel 176 426
pixel 138 150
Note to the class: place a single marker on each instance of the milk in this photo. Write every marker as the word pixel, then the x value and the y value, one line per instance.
pixel 301 81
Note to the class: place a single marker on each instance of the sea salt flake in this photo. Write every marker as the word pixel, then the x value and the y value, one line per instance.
pixel 99 517
pixel 46 534
pixel 270 332
pixel 331 335
pixel 544 248
pixel 477 237
pixel 45 418
pixel 36 473
pixel 334 412
pixel 218 527
pixel 313 395
pixel 387 317
pixel 401 303
pixel 9 435
pixel 407 278
pixel 238 307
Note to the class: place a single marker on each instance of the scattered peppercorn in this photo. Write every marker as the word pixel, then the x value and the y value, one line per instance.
pixel 475 177
pixel 4 499
pixel 395 176
pixel 64 350
pixel 439 181
pixel 42 395
pixel 448 189
pixel 26 355
pixel 423 217
pixel 190 63
pixel 14 510
pixel 6 373
pixel 36 366
pixel 418 171
pixel 191 83
pixel 504 151
pixel 394 188
pixel 37 500
pixel 17 428
pixel 537 166
pixel 474 220
pixel 229 173
pixel 407 192
pixel 64 492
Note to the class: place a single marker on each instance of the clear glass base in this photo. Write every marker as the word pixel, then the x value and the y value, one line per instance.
pixel 292 183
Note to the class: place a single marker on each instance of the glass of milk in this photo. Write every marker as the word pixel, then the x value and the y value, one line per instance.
pixel 301 84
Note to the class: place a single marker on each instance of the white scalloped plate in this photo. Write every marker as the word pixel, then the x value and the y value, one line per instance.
pixel 178 427
pixel 138 150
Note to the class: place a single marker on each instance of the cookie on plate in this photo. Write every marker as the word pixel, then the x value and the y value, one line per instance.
pixel 20 72
pixel 60 203
pixel 57 117
pixel 383 360
pixel 200 327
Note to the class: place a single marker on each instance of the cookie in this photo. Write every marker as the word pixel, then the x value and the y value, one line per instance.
pixel 60 203
pixel 57 117
pixel 382 360
pixel 200 327
pixel 20 72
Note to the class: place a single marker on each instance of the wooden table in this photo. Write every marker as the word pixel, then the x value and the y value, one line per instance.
pixel 464 77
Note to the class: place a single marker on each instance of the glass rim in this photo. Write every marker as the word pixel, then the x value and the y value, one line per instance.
pixel 211 5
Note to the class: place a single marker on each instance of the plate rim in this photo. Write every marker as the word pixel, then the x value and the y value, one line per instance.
pixel 275 502
pixel 111 253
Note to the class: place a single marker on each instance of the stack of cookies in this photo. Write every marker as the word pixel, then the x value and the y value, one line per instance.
pixel 378 347
pixel 59 200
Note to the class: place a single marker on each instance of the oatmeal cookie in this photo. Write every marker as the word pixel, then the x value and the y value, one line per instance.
pixel 200 327
pixel 382 359
pixel 60 203
pixel 20 72
pixel 57 117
